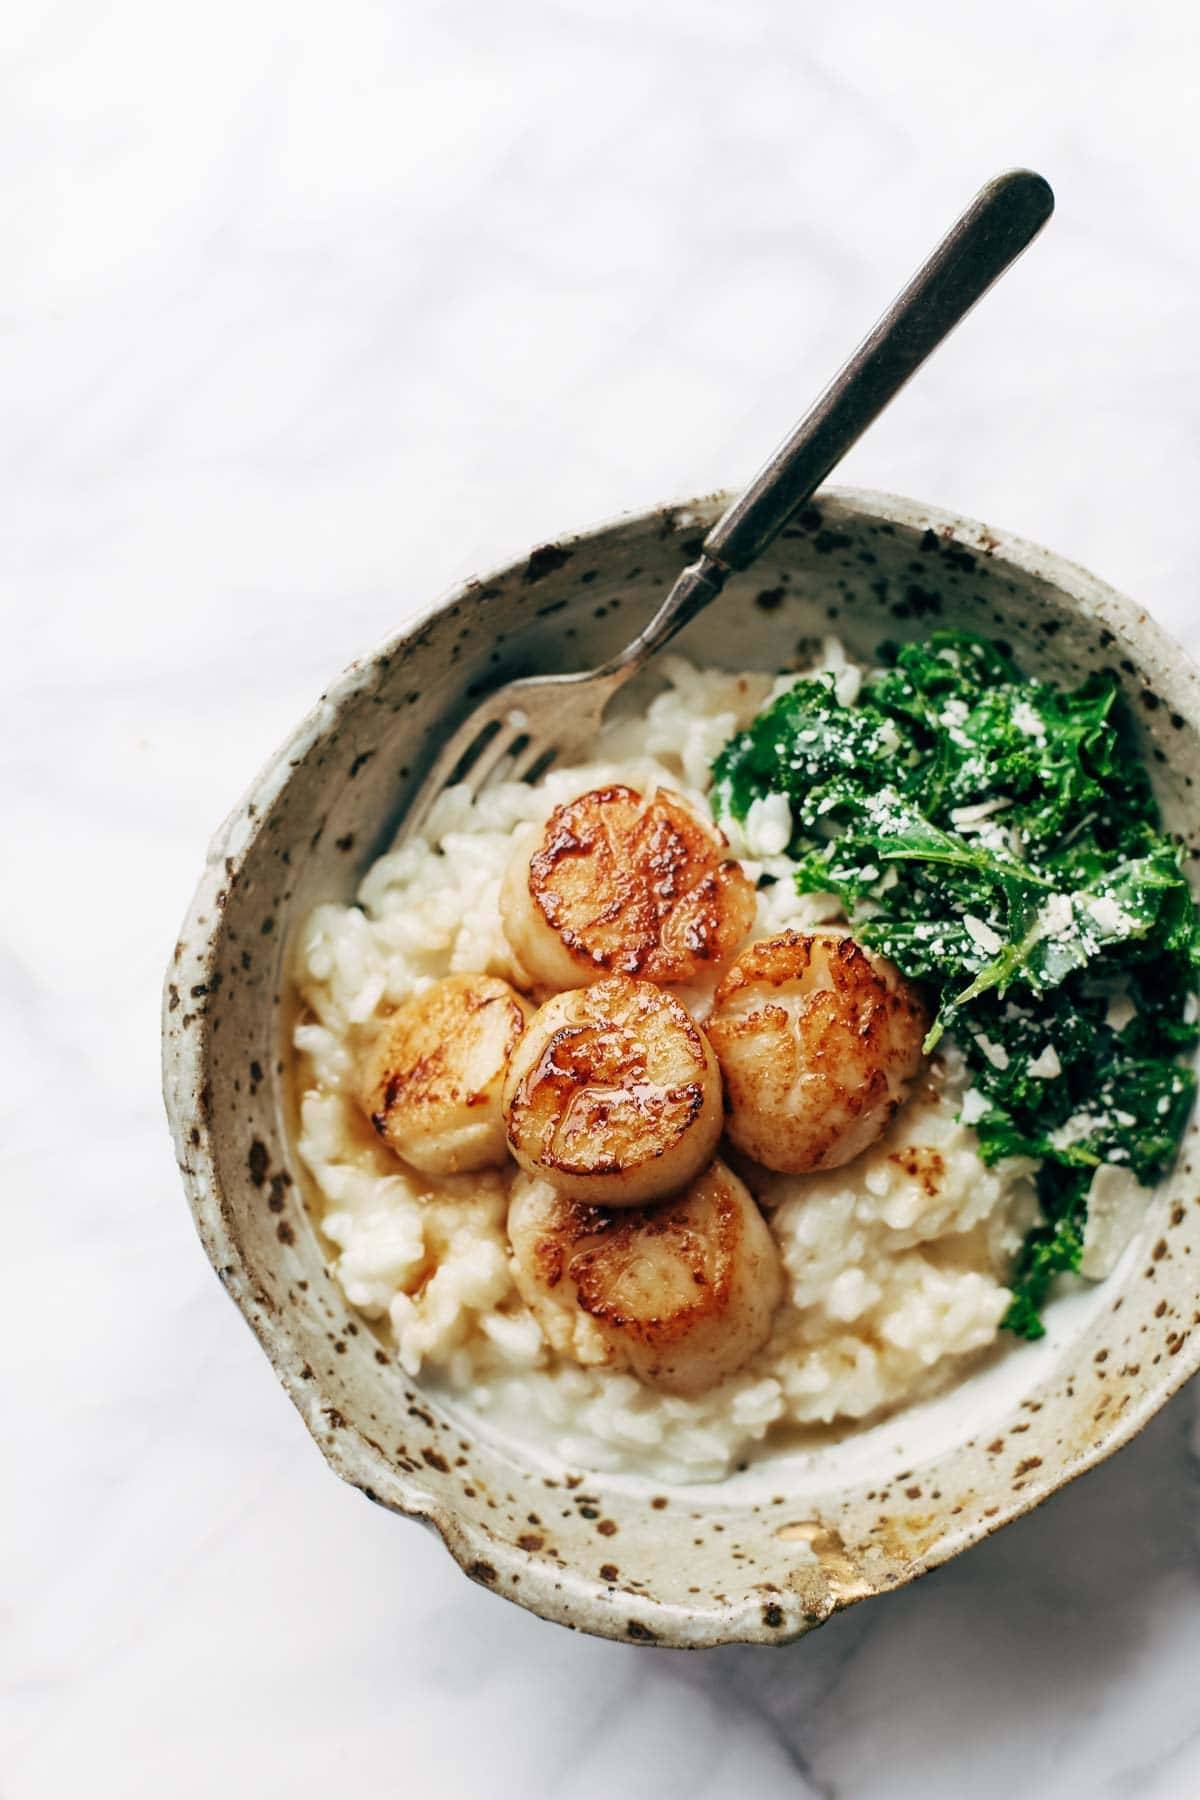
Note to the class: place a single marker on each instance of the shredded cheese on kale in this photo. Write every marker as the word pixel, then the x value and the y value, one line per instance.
pixel 998 838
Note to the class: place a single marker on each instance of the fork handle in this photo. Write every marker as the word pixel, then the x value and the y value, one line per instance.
pixel 1004 217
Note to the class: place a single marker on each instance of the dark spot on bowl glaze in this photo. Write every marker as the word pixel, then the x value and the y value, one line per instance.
pixel 436 1461
pixel 641 1634
pixel 544 560
pixel 284 1232
pixel 607 1528
pixel 772 1615
pixel 258 1162
pixel 919 602
pixel 770 599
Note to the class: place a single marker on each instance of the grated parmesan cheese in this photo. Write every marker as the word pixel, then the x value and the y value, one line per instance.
pixel 982 936
pixel 1109 916
pixel 1055 918
pixel 1028 722
pixel 1120 1010
pixel 1115 1208
pixel 964 817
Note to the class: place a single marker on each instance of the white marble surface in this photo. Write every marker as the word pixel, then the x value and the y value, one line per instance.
pixel 309 310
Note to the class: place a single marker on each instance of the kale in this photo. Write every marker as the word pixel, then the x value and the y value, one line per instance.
pixel 1052 1248
pixel 998 838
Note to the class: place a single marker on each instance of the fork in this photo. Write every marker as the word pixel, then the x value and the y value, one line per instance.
pixel 519 731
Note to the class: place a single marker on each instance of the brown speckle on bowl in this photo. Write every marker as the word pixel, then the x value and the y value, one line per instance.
pixel 544 561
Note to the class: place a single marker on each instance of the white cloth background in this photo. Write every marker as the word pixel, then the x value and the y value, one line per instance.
pixel 307 311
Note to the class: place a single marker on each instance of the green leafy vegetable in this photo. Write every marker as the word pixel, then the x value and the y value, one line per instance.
pixel 998 838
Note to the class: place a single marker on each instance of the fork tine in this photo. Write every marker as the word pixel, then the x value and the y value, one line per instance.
pixel 512 736
pixel 453 763
pixel 453 769
pixel 508 741
pixel 533 761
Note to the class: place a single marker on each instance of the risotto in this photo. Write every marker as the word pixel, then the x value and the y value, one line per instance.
pixel 895 1264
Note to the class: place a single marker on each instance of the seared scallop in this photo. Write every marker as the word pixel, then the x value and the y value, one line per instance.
pixel 617 883
pixel 432 1079
pixel 818 1040
pixel 613 1094
pixel 680 1294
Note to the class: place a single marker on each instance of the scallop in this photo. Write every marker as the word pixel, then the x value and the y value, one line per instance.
pixel 818 1041
pixel 433 1077
pixel 617 883
pixel 681 1294
pixel 613 1094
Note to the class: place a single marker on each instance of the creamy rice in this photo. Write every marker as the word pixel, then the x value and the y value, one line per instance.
pixel 895 1264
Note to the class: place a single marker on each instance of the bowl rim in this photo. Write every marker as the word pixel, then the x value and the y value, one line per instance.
pixel 566 1595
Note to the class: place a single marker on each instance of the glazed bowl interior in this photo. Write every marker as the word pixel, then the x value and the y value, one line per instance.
pixel 803 1530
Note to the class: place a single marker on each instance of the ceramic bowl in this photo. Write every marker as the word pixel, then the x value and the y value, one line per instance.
pixel 774 1550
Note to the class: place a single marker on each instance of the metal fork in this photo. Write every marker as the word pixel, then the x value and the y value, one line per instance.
pixel 527 725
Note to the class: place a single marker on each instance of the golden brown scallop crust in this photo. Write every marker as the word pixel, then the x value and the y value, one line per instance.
pixel 614 1094
pixel 637 886
pixel 682 1293
pixel 817 1040
pixel 605 1270
pixel 432 1079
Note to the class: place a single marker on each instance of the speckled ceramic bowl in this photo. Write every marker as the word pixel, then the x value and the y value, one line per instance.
pixel 774 1550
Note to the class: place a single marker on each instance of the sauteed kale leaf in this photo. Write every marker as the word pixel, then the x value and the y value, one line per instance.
pixel 998 838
